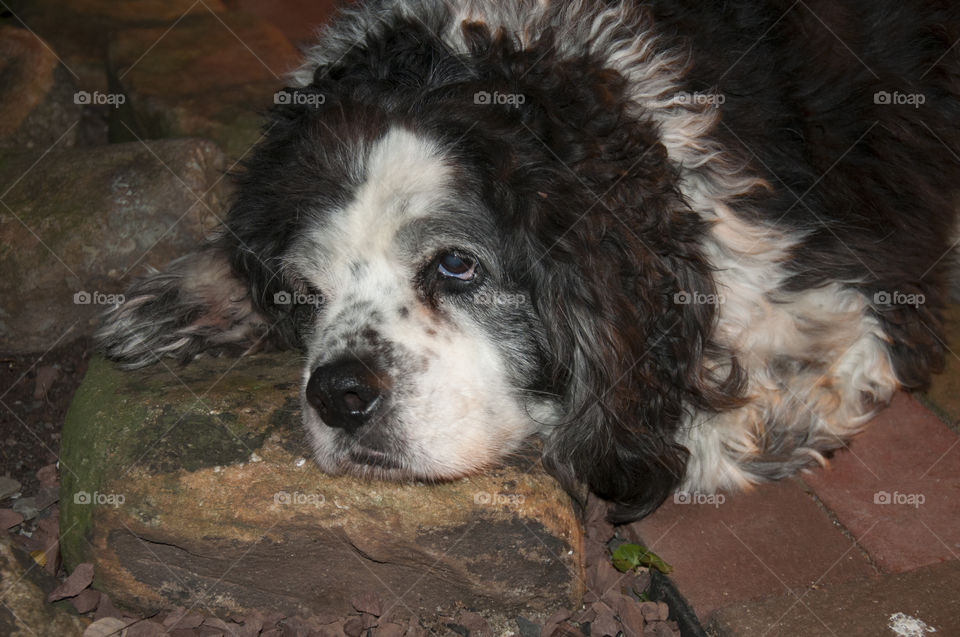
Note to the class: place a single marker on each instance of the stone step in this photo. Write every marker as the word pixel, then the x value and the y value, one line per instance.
pixel 193 486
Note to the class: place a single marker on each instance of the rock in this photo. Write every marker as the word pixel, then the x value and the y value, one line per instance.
pixel 27 507
pixel 65 249
pixel 37 106
pixel 9 518
pixel 298 19
pixel 79 580
pixel 158 474
pixel 202 78
pixel 24 611
pixel 138 11
pixel 79 30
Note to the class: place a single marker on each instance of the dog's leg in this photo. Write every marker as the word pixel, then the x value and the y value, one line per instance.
pixel 819 370
pixel 194 304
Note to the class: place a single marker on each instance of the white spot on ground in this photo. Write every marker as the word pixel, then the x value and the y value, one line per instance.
pixel 904 625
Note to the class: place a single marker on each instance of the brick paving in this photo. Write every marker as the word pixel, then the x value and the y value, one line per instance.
pixel 837 551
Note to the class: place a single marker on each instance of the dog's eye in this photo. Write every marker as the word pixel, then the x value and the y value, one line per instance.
pixel 457 266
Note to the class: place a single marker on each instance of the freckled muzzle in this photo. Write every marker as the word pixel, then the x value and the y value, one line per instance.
pixel 348 392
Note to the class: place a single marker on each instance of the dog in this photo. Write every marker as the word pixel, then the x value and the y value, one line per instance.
pixel 691 246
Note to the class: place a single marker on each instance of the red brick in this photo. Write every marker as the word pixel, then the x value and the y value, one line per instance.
pixel 853 609
pixel 905 452
pixel 769 542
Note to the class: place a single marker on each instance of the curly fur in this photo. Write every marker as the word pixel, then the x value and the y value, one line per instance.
pixel 707 294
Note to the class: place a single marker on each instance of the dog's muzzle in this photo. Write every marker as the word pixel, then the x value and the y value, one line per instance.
pixel 347 393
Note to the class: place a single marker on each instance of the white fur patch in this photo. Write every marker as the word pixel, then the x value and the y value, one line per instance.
pixel 458 412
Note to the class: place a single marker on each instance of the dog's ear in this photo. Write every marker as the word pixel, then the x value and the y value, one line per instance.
pixel 195 303
pixel 628 330
pixel 615 259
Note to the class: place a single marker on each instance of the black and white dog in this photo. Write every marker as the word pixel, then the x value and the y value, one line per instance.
pixel 693 245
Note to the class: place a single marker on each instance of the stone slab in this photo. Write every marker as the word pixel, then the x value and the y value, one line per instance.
pixel 194 486
pixel 77 224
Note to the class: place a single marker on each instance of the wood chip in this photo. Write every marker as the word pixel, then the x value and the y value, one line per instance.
pixel 369 602
pixel 105 608
pixel 86 601
pixel 79 579
pixel 106 627
pixel 473 622
pixel 353 627
pixel 388 630
pixel 45 378
pixel 651 612
pixel 47 476
pixel 9 518
pixel 146 628
pixel 605 625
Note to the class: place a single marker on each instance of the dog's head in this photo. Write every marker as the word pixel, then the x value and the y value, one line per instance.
pixel 462 270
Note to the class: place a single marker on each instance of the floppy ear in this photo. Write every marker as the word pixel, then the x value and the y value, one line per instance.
pixel 614 258
pixel 195 303
pixel 629 353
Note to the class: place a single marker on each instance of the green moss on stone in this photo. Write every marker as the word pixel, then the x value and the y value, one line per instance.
pixel 94 432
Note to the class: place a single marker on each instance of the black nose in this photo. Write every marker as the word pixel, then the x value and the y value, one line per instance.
pixel 346 393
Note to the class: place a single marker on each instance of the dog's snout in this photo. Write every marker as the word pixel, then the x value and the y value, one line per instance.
pixel 346 393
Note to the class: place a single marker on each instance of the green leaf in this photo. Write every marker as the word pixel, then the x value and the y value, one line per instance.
pixel 629 556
